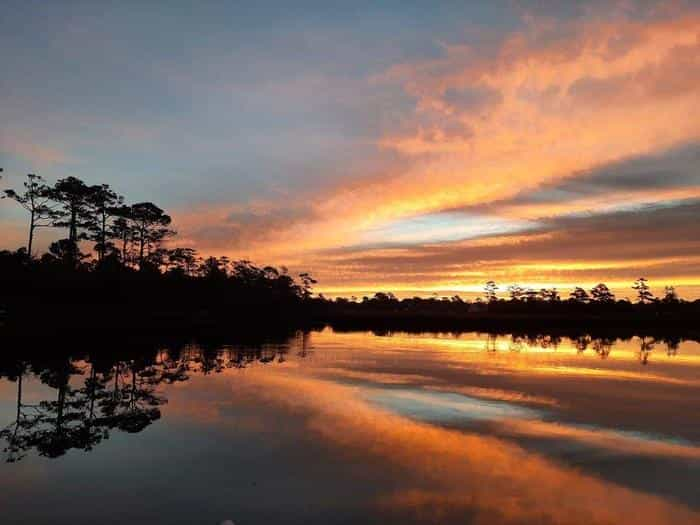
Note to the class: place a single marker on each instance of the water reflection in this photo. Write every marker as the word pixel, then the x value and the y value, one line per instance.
pixel 94 396
pixel 456 477
pixel 355 427
pixel 602 346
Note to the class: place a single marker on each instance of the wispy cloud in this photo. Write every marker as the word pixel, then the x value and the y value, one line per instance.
pixel 585 117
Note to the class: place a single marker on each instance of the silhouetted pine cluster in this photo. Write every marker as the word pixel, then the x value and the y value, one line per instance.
pixel 129 267
pixel 130 236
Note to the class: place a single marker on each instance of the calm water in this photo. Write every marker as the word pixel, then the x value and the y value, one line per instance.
pixel 355 428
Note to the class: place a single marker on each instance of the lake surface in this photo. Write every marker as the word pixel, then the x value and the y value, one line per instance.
pixel 329 428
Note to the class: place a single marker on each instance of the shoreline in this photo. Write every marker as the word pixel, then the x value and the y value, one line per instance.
pixel 69 322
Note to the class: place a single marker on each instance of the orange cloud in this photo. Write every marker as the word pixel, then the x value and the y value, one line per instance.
pixel 546 104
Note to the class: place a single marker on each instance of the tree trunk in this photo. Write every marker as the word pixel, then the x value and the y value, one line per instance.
pixel 73 236
pixel 93 380
pixel 124 244
pixel 19 397
pixel 31 235
pixel 72 228
pixel 141 240
pixel 103 236
pixel 60 404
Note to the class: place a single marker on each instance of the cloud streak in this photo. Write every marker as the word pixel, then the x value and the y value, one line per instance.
pixel 558 120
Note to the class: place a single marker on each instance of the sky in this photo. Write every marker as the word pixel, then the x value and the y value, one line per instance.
pixel 413 147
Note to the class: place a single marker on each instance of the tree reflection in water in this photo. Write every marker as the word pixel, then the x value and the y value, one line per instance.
pixel 121 391
pixel 94 397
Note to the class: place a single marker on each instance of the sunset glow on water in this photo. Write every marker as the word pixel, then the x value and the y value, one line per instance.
pixel 334 427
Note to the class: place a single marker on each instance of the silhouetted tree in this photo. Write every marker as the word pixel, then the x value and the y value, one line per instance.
pixel 516 292
pixel 644 294
pixel 213 268
pixel 670 295
pixel 122 230
pixel 531 295
pixel 150 228
pixel 63 252
pixel 549 294
pixel 579 295
pixel 384 297
pixel 184 259
pixel 74 212
pixel 307 283
pixel 490 289
pixel 37 201
pixel 602 294
pixel 105 204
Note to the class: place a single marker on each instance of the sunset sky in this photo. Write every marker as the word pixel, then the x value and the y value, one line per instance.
pixel 416 147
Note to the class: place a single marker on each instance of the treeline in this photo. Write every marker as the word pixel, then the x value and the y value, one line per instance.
pixel 524 310
pixel 518 295
pixel 127 235
pixel 120 257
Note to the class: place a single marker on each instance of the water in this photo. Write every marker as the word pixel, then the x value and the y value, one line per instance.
pixel 334 428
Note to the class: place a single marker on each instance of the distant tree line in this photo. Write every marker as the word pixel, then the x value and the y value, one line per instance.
pixel 523 309
pixel 600 294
